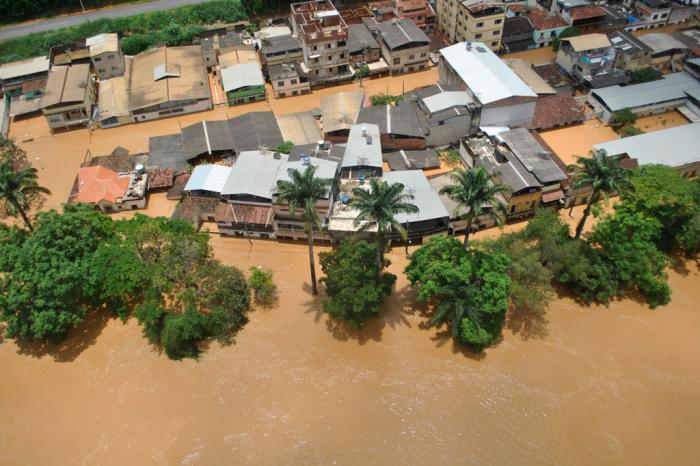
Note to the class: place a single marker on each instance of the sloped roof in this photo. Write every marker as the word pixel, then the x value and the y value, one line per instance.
pixel 588 42
pixel 66 84
pixel 517 25
pixel 208 177
pixel 485 73
pixel 659 42
pixel 207 137
pixel 167 152
pixel 402 32
pixel 537 159
pixel 363 151
pixel 360 37
pixel 98 183
pixel 412 159
pixel 448 99
pixel 339 111
pixel 102 43
pixel 541 21
pixel 254 130
pixel 243 75
pixel 425 197
pixel 279 44
pixel 673 147
pixel 113 95
pixel 237 213
pixel 585 12
pixel 671 87
pixel 556 110
pixel 325 169
pixel 24 67
pixel 534 81
pixel 254 174
pixel 300 128
pixel 393 119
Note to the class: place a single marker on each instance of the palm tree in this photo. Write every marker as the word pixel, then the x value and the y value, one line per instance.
pixel 604 175
pixel 17 188
pixel 474 191
pixel 379 206
pixel 302 192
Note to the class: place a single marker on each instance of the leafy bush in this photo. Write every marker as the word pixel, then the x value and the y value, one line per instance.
pixel 355 288
pixel 630 130
pixel 622 118
pixel 264 288
pixel 172 27
pixel 285 147
pixel 451 157
pixel 469 289
pixel 383 99
pixel 644 75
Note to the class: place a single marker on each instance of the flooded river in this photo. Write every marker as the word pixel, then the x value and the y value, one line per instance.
pixel 616 385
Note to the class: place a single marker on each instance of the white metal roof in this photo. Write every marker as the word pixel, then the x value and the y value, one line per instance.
pixel 24 67
pixel 208 178
pixel 671 87
pixel 254 173
pixel 448 99
pixel 325 169
pixel 489 78
pixel 674 147
pixel 425 197
pixel 363 148
pixel 242 75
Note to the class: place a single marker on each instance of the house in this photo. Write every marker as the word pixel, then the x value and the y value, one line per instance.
pixel 616 18
pixel 281 49
pixel 291 226
pixel 168 81
pixel 444 112
pixel 412 159
pixel 404 46
pixel 113 99
pixel 582 14
pixel 681 12
pixel 691 38
pixel 399 127
pixel 664 95
pixel 324 41
pixel 338 113
pixel 500 97
pixel 108 190
pixel 473 20
pixel 432 216
pixel 243 83
pixel 632 54
pixel 557 110
pixel 362 45
pixel 69 96
pixel 207 139
pixel 300 128
pixel 287 80
pixel 106 55
pixel 654 13
pixel 517 34
pixel 207 180
pixel 250 189
pixel 321 150
pixel 363 153
pixel 546 27
pixel 255 130
pixel 24 77
pixel 666 50
pixel 677 147
pixel 590 59
pixel 421 12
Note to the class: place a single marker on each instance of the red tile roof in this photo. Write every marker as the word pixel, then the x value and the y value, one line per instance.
pixel 96 184
pixel 542 21
pixel 556 110
pixel 237 213
pixel 517 8
pixel 585 12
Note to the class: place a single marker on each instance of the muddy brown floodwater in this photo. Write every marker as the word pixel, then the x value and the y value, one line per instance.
pixel 585 386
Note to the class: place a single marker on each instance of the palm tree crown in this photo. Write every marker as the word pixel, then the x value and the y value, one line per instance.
pixel 17 188
pixel 604 175
pixel 474 192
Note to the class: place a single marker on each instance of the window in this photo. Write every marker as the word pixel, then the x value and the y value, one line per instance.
pixel 411 57
pixel 479 25
pixel 655 17
pixel 293 81
pixel 341 43
pixel 329 58
pixel 110 57
pixel 282 94
pixel 477 36
pixel 280 83
pixel 101 70
pixel 495 33
pixel 295 93
pixel 494 43
pixel 342 55
pixel 410 68
pixel 98 59
pixel 114 68
pixel 397 61
pixel 498 21
pixel 423 55
pixel 328 46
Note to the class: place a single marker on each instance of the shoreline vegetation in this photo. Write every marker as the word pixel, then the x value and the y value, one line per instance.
pixel 176 26
pixel 20 12
pixel 163 272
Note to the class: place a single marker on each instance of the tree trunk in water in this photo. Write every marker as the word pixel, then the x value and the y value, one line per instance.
pixel 586 212
pixel 310 236
pixel 24 216
pixel 380 253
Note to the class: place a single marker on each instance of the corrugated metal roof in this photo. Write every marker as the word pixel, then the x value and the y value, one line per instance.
pixel 532 155
pixel 660 42
pixel 325 169
pixel 24 67
pixel 673 147
pixel 361 150
pixel 254 174
pixel 529 76
pixel 412 159
pixel 393 119
pixel 425 197
pixel 102 43
pixel 243 75
pixel 360 37
pixel 166 152
pixel 588 42
pixel 485 73
pixel 66 84
pixel 444 100
pixel 339 111
pixel 207 137
pixel 300 128
pixel 208 178
pixel 671 87
pixel 254 130
pixel 401 32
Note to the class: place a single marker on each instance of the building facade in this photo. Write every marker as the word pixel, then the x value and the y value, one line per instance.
pixel 69 96
pixel 474 20
pixel 286 80
pixel 405 48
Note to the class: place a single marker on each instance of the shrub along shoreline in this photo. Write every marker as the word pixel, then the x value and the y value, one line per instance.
pixel 171 27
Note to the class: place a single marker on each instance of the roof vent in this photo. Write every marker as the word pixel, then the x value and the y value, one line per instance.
pixel 364 130
pixel 481 49
pixel 469 45
pixel 276 156
pixel 306 160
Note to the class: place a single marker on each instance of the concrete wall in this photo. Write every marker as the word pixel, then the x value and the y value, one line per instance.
pixel 449 132
pixel 199 106
pixel 514 115
pixel 412 59
pixel 108 64
pixel 285 88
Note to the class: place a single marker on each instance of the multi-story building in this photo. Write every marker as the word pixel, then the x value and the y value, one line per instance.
pixel 243 83
pixel 419 11
pixel 632 54
pixel 324 40
pixel 287 81
pixel 106 55
pixel 475 20
pixel 681 13
pixel 546 27
pixel 654 13
pixel 69 96
pixel 405 48
pixel 280 49
pixel 581 14
pixel 517 34
pixel 591 59
pixel 362 45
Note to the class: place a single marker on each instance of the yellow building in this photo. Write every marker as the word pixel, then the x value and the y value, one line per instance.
pixel 474 20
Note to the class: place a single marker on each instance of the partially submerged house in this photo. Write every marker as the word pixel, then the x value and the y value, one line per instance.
pixel 404 46
pixel 24 77
pixel 208 139
pixel 69 96
pixel 108 190
pixel 666 50
pixel 363 153
pixel 339 112
pixel 590 59
pixel 207 180
pixel 255 130
pixel 243 83
pixel 399 126
pixel 113 100
pixel 287 80
pixel 106 55
pixel 444 112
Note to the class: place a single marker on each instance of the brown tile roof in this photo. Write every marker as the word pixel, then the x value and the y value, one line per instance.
pixel 192 209
pixel 517 8
pixel 236 213
pixel 585 12
pixel 96 184
pixel 160 178
pixel 556 110
pixel 117 163
pixel 179 182
pixel 541 21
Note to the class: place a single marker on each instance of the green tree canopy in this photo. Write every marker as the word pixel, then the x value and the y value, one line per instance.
pixel 622 118
pixel 643 75
pixel 285 147
pixel 571 31
pixel 355 287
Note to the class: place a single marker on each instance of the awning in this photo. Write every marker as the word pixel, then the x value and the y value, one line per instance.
pixel 553 196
